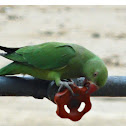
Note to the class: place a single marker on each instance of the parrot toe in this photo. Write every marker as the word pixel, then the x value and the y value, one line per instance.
pixel 66 85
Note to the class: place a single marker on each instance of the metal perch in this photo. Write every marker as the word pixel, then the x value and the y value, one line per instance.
pixel 29 86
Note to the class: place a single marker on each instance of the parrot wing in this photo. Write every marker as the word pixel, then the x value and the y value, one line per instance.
pixel 48 56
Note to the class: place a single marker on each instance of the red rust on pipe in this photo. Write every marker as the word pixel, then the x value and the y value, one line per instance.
pixel 73 102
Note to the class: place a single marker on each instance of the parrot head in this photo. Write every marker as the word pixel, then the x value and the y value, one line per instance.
pixel 96 72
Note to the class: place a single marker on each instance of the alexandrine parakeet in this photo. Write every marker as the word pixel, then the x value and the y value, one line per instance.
pixel 55 61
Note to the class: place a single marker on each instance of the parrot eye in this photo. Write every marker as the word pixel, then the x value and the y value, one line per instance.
pixel 95 74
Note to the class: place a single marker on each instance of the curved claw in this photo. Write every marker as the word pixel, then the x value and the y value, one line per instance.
pixel 60 88
pixel 66 84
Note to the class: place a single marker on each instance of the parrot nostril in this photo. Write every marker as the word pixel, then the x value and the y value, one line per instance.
pixel 66 109
pixel 82 106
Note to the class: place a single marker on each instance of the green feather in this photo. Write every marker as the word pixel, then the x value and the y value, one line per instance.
pixel 44 56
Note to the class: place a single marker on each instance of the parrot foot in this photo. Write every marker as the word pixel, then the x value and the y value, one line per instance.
pixel 66 84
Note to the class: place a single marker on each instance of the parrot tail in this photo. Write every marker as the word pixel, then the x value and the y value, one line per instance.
pixel 7 50
pixel 10 69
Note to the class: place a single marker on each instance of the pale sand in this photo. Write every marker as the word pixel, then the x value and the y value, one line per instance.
pixel 101 29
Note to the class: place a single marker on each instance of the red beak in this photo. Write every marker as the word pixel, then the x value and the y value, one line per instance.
pixel 92 88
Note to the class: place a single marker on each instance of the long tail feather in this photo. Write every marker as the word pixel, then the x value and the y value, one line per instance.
pixel 10 69
pixel 2 54
pixel 8 50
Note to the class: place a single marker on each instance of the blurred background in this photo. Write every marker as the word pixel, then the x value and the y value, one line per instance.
pixel 101 29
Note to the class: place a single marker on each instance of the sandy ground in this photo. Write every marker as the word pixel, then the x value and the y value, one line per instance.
pixel 101 29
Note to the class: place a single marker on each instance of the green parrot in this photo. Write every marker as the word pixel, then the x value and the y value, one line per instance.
pixel 55 61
